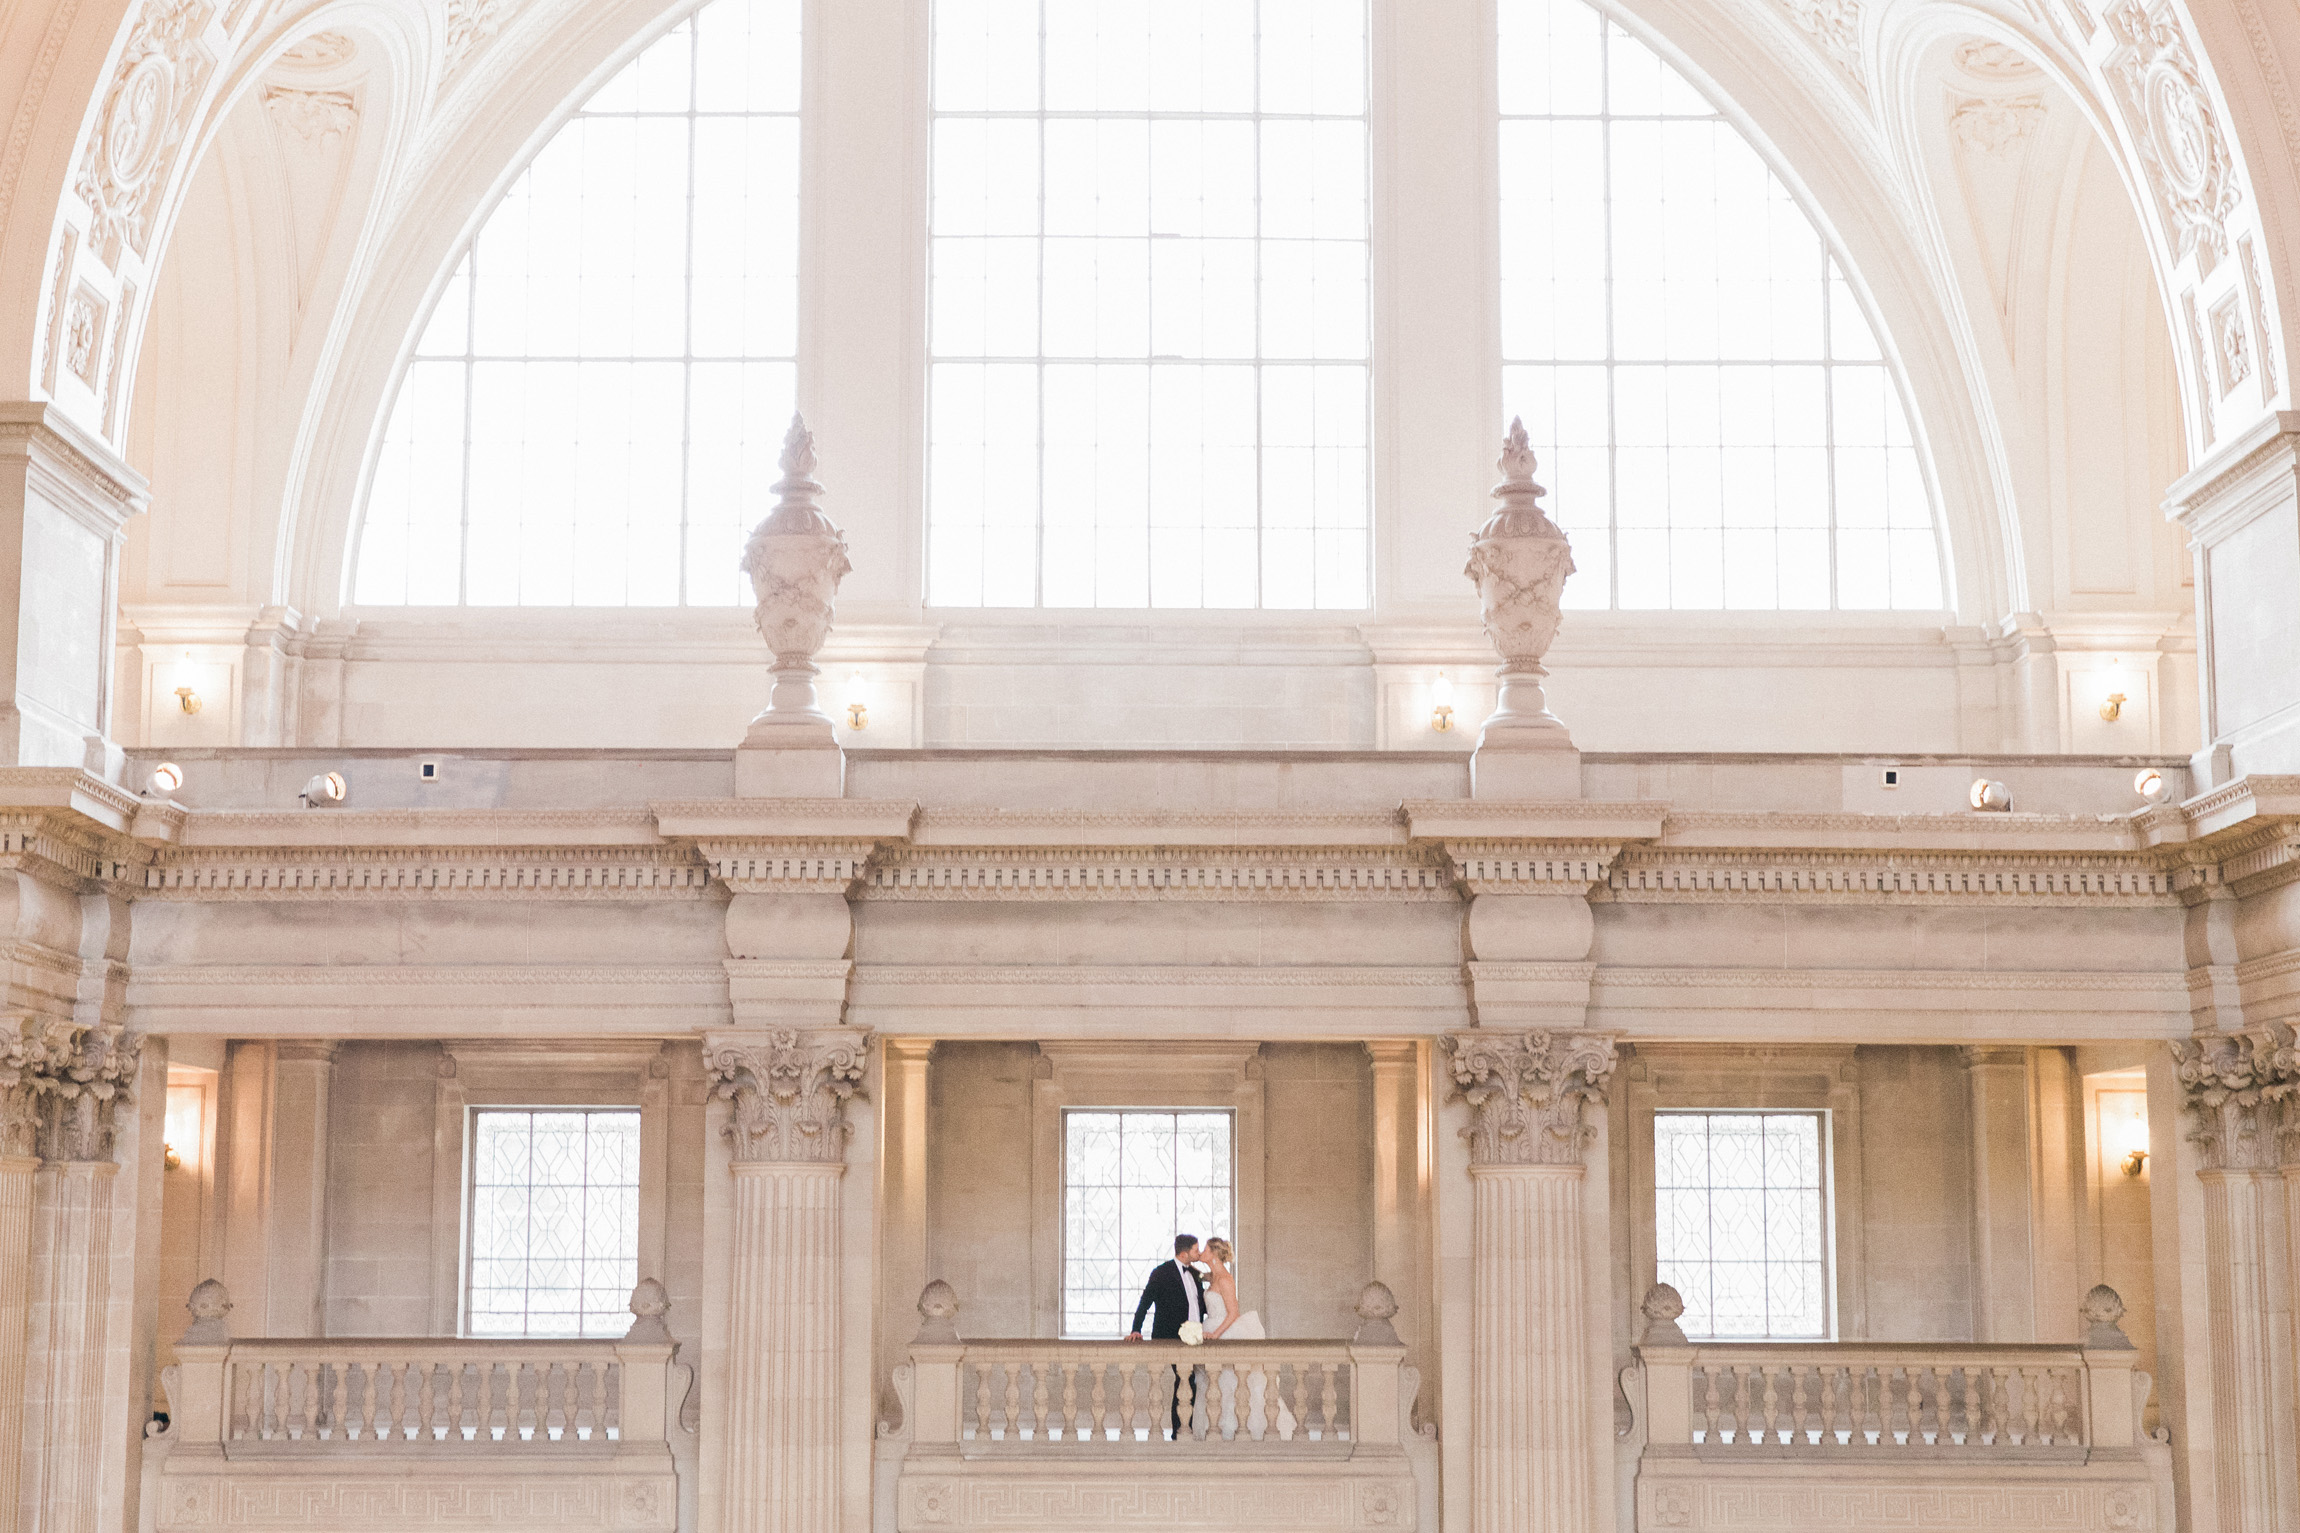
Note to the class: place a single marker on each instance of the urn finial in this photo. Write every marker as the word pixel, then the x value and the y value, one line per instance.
pixel 796 559
pixel 1519 561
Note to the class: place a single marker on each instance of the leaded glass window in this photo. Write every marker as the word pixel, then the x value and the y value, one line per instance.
pixel 1148 310
pixel 592 414
pixel 1131 1182
pixel 1720 426
pixel 554 1243
pixel 1741 1223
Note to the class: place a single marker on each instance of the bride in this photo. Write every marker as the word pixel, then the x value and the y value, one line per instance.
pixel 1261 1382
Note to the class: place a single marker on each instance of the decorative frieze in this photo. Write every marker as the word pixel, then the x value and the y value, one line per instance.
pixel 513 872
pixel 2242 1091
pixel 1655 875
pixel 1529 1091
pixel 1407 873
pixel 789 1089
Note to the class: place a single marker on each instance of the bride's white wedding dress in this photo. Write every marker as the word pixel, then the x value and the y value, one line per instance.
pixel 1261 1382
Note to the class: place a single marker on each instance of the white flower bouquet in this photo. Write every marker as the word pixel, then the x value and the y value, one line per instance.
pixel 1192 1334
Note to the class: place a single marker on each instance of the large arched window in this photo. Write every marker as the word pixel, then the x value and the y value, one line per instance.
pixel 594 409
pixel 1724 429
pixel 1148 308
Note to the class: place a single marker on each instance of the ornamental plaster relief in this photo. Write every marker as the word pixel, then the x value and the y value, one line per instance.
pixel 1528 1092
pixel 789 1089
pixel 1835 28
pixel 147 113
pixel 2183 147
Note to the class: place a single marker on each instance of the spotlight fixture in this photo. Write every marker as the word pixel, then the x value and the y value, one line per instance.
pixel 1441 695
pixel 166 778
pixel 2112 706
pixel 326 791
pixel 189 699
pixel 2149 784
pixel 1989 796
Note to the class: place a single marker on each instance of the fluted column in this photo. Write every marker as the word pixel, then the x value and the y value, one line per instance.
pixel 788 1131
pixel 77 1090
pixel 1533 1452
pixel 22 1054
pixel 2234 1087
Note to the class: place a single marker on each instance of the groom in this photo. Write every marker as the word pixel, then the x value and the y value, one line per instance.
pixel 1174 1294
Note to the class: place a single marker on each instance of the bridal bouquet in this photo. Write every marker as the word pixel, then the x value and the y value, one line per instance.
pixel 1192 1334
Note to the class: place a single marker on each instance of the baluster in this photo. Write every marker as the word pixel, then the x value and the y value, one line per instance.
pixel 1711 1406
pixel 2031 1403
pixel 274 1382
pixel 311 1385
pixel 1301 1422
pixel 982 1402
pixel 1740 1402
pixel 571 1403
pixel 1012 1374
pixel 455 1403
pixel 2000 1405
pixel 510 1432
pixel 1796 1437
pixel 374 1409
pixel 1038 1399
pixel 591 1422
pixel 339 1404
pixel 1098 1406
pixel 1972 1434
pixel 2057 1408
pixel 1916 1435
pixel 1827 1382
pixel 1128 1404
pixel 1771 1433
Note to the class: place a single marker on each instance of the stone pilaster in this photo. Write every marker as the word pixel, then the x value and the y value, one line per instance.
pixel 1535 1394
pixel 787 1129
pixel 25 1050
pixel 2003 1224
pixel 2242 1093
pixel 79 1087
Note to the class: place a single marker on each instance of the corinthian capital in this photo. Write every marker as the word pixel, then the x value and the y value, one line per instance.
pixel 789 1089
pixel 2242 1091
pixel 1529 1091
pixel 29 1048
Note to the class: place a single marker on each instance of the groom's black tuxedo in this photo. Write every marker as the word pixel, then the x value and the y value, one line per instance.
pixel 1164 1295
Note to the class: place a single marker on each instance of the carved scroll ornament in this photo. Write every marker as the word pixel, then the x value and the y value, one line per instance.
pixel 2242 1091
pixel 1529 1091
pixel 789 1089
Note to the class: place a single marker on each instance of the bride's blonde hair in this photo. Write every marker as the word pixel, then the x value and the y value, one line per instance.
pixel 1219 1247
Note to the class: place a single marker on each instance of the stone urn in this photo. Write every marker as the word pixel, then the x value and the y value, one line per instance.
pixel 1519 560
pixel 796 559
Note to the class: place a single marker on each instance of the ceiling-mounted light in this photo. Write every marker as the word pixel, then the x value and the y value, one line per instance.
pixel 1441 698
pixel 166 778
pixel 326 791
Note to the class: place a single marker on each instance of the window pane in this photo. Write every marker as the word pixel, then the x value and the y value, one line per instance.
pixel 1642 233
pixel 1148 308
pixel 584 420
pixel 1740 1223
pixel 1131 1182
pixel 554 1222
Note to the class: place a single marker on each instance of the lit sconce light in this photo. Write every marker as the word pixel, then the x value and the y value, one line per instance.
pixel 858 705
pixel 2112 706
pixel 1441 697
pixel 2132 1139
pixel 172 1157
pixel 1989 796
pixel 189 699
pixel 2149 784
pixel 183 1125
pixel 326 791
pixel 166 778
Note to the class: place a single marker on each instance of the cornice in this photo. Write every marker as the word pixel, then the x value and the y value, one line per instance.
pixel 482 873
pixel 368 977
pixel 1493 820
pixel 1103 830
pixel 785 819
pixel 326 831
pixel 41 430
pixel 1246 873
pixel 1649 875
pixel 2244 456
pixel 1137 976
pixel 2167 986
pixel 68 790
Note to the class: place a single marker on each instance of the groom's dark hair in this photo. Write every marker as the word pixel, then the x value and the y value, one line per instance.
pixel 1183 1243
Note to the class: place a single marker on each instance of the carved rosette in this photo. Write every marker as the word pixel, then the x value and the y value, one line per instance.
pixel 1529 1091
pixel 2242 1091
pixel 789 1089
pixel 1519 561
pixel 796 559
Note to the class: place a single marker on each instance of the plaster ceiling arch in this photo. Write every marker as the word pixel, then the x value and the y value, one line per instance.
pixel 243 313
pixel 2067 332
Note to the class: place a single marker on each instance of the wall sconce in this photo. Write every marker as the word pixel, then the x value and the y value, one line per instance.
pixel 1441 695
pixel 2112 707
pixel 172 1158
pixel 858 707
pixel 325 791
pixel 189 699
pixel 184 1113
pixel 2130 1131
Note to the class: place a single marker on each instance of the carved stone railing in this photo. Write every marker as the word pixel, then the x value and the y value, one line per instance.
pixel 1075 1395
pixel 2043 1429
pixel 1309 1435
pixel 543 1436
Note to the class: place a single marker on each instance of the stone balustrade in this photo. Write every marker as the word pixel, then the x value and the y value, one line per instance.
pixel 1308 1434
pixel 2048 1431
pixel 545 1435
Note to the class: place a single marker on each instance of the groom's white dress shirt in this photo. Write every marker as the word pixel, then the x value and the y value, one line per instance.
pixel 1189 1290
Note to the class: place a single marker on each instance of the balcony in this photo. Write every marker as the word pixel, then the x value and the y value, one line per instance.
pixel 1058 1435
